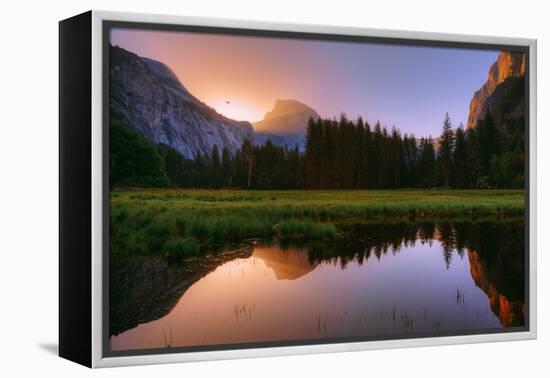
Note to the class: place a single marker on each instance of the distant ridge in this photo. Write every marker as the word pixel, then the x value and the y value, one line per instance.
pixel 285 124
pixel 287 116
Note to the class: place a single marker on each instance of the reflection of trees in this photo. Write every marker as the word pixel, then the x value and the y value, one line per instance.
pixel 364 241
pixel 448 241
pixel 500 245
pixel 460 241
pixel 495 251
pixel 426 231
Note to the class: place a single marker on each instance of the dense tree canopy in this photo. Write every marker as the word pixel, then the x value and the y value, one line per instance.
pixel 133 160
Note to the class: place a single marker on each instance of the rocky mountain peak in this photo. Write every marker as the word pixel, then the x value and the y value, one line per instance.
pixel 284 107
pixel 287 116
pixel 508 64
pixel 148 97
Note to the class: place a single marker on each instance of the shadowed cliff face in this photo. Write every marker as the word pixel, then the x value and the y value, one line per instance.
pixel 497 264
pixel 507 65
pixel 510 312
pixel 150 98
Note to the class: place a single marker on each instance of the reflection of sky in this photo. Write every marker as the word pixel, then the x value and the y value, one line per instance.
pixel 409 87
pixel 251 300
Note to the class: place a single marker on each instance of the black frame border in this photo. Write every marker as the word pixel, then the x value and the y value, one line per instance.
pixel 75 189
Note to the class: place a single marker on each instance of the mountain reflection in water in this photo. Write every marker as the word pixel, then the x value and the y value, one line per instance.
pixel 381 280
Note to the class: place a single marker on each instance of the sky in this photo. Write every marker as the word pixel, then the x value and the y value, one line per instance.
pixel 408 87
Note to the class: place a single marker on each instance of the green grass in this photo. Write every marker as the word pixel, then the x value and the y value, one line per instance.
pixel 157 221
pixel 304 229
pixel 179 248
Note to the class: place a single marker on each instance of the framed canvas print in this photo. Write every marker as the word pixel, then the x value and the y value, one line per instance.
pixel 233 189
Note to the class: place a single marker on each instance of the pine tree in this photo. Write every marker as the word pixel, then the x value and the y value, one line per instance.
pixel 460 159
pixel 409 169
pixel 395 159
pixel 313 153
pixel 216 173
pixel 427 169
pixel 227 171
pixel 489 142
pixel 473 165
pixel 376 158
pixel 367 158
pixel 248 156
pixel 446 147
pixel 360 172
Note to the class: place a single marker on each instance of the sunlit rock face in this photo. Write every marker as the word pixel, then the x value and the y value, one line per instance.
pixel 487 97
pixel 509 312
pixel 285 124
pixel 289 264
pixel 151 99
pixel 287 116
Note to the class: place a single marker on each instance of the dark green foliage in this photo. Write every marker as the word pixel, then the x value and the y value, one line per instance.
pixel 410 162
pixel 175 165
pixel 349 155
pixel 133 160
pixel 179 248
pixel 460 159
pixel 496 146
pixel 304 229
pixel 426 166
pixel 226 169
pixel 494 154
pixel 445 153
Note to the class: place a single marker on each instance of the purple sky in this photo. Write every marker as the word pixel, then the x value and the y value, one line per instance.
pixel 409 87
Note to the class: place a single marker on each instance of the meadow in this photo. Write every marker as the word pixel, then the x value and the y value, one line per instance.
pixel 180 223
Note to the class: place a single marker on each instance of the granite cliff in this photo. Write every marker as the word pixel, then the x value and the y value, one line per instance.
pixel 285 124
pixel 149 97
pixel 509 66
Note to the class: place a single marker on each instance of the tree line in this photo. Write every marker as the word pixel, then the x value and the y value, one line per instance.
pixel 264 167
pixel 353 155
pixel 339 154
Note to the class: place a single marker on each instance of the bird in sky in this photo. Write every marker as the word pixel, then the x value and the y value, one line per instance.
pixel 228 102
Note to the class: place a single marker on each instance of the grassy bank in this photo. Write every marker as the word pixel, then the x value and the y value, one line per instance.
pixel 179 223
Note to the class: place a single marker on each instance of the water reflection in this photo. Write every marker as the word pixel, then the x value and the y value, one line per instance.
pixel 289 263
pixel 381 280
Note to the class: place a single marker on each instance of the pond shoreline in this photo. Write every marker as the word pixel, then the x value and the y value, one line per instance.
pixel 147 288
pixel 184 222
pixel 479 283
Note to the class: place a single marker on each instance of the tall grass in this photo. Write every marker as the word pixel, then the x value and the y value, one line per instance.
pixel 179 248
pixel 304 229
pixel 178 222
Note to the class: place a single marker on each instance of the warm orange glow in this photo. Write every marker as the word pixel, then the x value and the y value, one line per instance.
pixel 409 87
pixel 235 109
pixel 246 72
